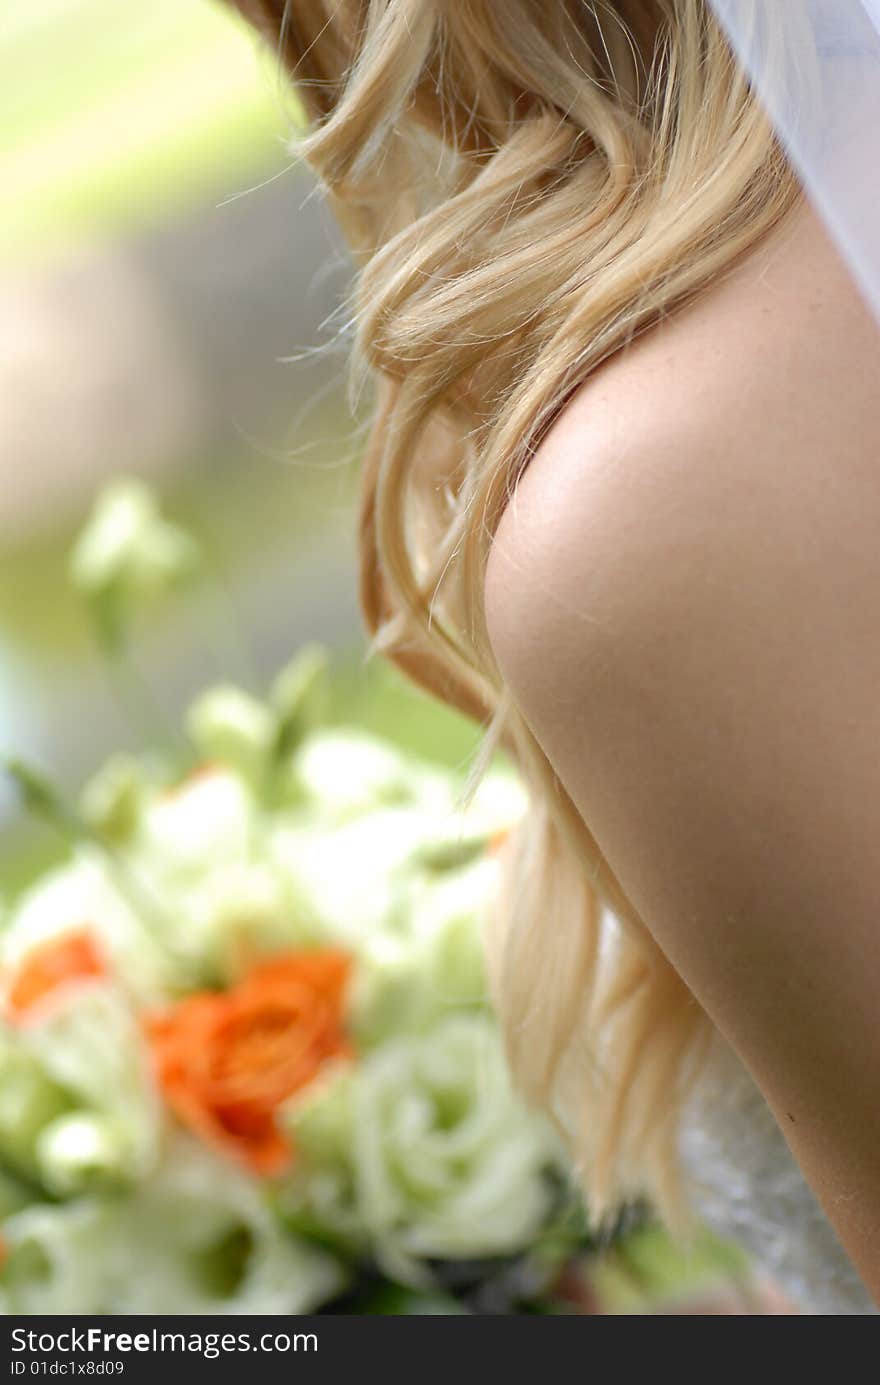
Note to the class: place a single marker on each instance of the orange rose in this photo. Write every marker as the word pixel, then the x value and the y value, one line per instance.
pixel 226 1060
pixel 69 957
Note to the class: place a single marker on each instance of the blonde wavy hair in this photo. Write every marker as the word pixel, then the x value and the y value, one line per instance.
pixel 526 185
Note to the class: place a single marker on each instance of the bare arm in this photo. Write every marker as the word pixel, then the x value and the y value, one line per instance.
pixel 684 594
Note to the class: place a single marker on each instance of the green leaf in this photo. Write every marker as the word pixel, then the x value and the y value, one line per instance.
pixel 40 797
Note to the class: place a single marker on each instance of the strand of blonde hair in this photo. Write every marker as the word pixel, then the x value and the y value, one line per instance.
pixel 526 187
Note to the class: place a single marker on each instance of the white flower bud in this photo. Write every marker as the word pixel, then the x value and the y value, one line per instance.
pixel 229 725
pixel 83 1151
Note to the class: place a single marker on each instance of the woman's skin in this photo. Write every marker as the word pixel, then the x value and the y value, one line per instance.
pixel 684 594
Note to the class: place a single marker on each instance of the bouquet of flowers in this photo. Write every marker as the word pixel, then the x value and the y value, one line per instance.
pixel 247 1061
pixel 246 1058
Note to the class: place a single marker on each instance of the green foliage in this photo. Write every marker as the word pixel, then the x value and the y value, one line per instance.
pixel 114 115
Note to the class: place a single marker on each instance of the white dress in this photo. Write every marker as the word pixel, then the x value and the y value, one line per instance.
pixel 747 1186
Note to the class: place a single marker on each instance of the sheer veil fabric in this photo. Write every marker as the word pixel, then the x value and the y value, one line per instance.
pixel 815 66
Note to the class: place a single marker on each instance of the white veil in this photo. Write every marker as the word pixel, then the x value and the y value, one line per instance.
pixel 815 66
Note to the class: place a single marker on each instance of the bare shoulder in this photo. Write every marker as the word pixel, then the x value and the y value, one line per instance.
pixel 684 596
pixel 749 420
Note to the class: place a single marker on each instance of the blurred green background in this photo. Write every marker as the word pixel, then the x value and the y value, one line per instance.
pixel 171 296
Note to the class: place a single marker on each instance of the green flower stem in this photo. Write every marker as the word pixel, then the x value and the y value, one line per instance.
pixel 141 708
